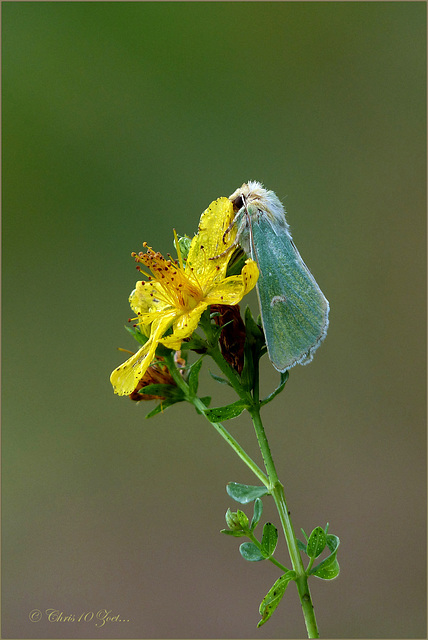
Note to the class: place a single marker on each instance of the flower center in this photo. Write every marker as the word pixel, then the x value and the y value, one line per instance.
pixel 177 290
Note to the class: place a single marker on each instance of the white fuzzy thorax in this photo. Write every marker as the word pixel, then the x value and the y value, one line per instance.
pixel 256 202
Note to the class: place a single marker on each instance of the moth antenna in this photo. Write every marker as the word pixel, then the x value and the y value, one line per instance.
pixel 252 243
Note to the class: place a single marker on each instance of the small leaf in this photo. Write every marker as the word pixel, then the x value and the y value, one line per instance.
pixel 232 520
pixel 236 262
pixel 274 596
pixel 218 414
pixel 184 244
pixel 332 542
pixel 161 350
pixel 243 519
pixel 196 343
pixel 169 391
pixel 244 493
pixel 328 568
pixel 206 400
pixel 303 531
pixel 160 408
pixel 258 510
pixel 269 539
pixel 280 387
pixel 250 552
pixel 237 534
pixel 316 543
pixel 219 379
pixel 253 328
pixel 136 333
pixel 252 350
pixel 301 545
pixel 193 379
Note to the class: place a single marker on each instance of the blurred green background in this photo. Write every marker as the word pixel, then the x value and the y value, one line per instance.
pixel 122 121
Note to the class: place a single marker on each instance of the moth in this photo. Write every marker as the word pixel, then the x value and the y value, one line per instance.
pixel 293 308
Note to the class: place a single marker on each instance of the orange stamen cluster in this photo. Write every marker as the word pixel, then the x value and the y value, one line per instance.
pixel 175 287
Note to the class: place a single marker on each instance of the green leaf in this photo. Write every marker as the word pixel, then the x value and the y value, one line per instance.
pixel 301 545
pixel 316 543
pixel 219 379
pixel 169 391
pixel 250 552
pixel 271 396
pixel 232 520
pixel 218 414
pixel 193 379
pixel 274 596
pixel 243 519
pixel 332 542
pixel 236 534
pixel 252 327
pixel 236 262
pixel 269 539
pixel 161 350
pixel 160 408
pixel 184 243
pixel 212 330
pixel 258 510
pixel 252 350
pixel 206 400
pixel 196 343
pixel 244 493
pixel 136 333
pixel 329 568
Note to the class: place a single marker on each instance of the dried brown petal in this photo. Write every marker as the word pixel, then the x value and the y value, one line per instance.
pixel 232 337
pixel 155 374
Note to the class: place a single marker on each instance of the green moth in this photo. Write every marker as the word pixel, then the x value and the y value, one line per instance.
pixel 293 308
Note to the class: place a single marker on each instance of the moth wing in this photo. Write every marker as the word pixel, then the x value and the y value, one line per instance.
pixel 293 307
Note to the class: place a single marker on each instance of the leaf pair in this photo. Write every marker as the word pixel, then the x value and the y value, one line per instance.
pixel 329 568
pixel 251 552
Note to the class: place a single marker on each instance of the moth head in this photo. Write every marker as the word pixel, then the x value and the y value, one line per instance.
pixel 254 193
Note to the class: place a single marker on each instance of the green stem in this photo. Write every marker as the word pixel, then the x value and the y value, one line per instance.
pixel 277 491
pixel 200 406
pixel 271 482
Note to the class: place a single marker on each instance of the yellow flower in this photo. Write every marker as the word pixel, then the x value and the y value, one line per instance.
pixel 176 296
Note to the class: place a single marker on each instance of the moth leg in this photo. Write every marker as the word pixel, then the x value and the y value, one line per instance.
pixel 232 246
pixel 220 255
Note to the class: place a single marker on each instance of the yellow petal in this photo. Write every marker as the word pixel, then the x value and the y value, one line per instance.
pixel 145 297
pixel 250 275
pixel 126 377
pixel 184 327
pixel 211 242
pixel 233 289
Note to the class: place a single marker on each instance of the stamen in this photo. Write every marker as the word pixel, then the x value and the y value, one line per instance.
pixel 180 259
